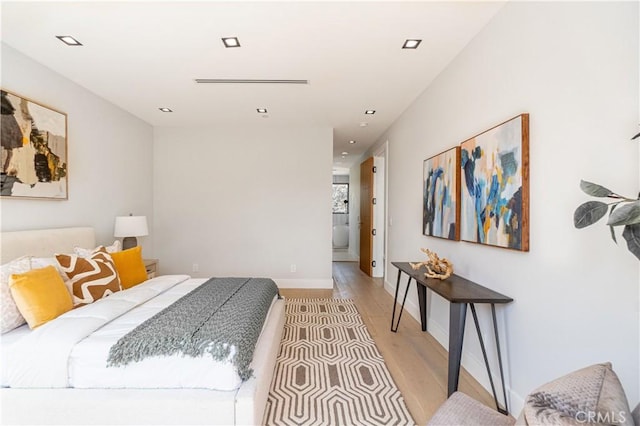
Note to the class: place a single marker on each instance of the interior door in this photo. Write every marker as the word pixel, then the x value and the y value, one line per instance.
pixel 366 215
pixel 378 256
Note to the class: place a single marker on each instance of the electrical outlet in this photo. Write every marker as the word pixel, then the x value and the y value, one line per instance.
pixel 195 267
pixel 293 267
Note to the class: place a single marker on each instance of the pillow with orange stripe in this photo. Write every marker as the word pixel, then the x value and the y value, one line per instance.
pixel 90 278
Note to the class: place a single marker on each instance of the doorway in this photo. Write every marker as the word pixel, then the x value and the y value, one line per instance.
pixel 342 243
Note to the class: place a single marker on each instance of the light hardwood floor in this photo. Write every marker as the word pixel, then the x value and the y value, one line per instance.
pixel 418 363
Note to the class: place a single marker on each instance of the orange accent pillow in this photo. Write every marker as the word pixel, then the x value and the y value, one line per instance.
pixel 40 295
pixel 90 278
pixel 130 267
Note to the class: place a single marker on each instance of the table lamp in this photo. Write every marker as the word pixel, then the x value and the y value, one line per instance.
pixel 130 227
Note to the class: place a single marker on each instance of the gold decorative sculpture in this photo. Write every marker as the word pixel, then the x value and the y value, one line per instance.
pixel 436 267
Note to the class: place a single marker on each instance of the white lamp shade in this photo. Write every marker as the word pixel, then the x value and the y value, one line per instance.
pixel 131 226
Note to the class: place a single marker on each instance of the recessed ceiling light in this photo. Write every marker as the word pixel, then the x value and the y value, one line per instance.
pixel 352 142
pixel 231 41
pixel 411 43
pixel 345 153
pixel 364 124
pixel 261 110
pixel 165 109
pixel 370 111
pixel 69 41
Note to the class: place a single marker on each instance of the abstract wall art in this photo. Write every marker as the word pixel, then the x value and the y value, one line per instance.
pixel 495 186
pixel 441 192
pixel 34 149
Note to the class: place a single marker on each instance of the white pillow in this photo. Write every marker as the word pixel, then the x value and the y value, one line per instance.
pixel 43 262
pixel 10 316
pixel 83 252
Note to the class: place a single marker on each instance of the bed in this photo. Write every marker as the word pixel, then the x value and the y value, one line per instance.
pixel 130 395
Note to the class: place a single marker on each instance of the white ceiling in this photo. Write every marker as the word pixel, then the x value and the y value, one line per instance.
pixel 144 55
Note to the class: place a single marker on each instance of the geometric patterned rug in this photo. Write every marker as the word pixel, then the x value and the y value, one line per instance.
pixel 330 372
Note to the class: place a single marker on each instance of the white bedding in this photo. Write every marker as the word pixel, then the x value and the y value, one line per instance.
pixel 7 341
pixel 78 343
pixel 126 406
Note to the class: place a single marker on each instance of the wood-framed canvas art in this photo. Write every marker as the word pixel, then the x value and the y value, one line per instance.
pixel 495 186
pixel 441 192
pixel 34 149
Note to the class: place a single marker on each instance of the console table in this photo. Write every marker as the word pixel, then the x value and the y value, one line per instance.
pixel 460 292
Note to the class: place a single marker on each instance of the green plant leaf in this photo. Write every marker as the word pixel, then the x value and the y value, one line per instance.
pixel 632 235
pixel 613 232
pixel 627 214
pixel 589 213
pixel 594 189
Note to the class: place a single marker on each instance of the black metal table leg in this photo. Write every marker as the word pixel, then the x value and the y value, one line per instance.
pixel 404 299
pixel 486 359
pixel 395 300
pixel 422 301
pixel 457 317
pixel 504 390
pixel 484 354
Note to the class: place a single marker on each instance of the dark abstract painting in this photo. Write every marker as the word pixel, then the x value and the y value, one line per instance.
pixel 495 186
pixel 441 192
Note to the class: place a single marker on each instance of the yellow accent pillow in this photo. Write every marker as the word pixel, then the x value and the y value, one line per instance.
pixel 130 267
pixel 40 295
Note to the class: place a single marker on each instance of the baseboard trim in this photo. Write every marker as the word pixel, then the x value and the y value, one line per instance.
pixel 304 283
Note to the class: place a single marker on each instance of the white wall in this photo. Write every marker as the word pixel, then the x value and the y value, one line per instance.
pixel 245 202
pixel 109 156
pixel 574 68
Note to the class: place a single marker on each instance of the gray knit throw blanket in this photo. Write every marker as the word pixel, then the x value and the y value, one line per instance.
pixel 220 314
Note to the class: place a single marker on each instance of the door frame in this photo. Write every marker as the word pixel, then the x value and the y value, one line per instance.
pixel 382 155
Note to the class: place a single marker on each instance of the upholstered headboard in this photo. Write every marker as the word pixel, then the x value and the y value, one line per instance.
pixel 44 242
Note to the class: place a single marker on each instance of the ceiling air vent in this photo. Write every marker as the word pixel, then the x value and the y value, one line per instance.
pixel 248 81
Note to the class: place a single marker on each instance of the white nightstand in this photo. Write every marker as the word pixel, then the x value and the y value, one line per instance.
pixel 152 267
